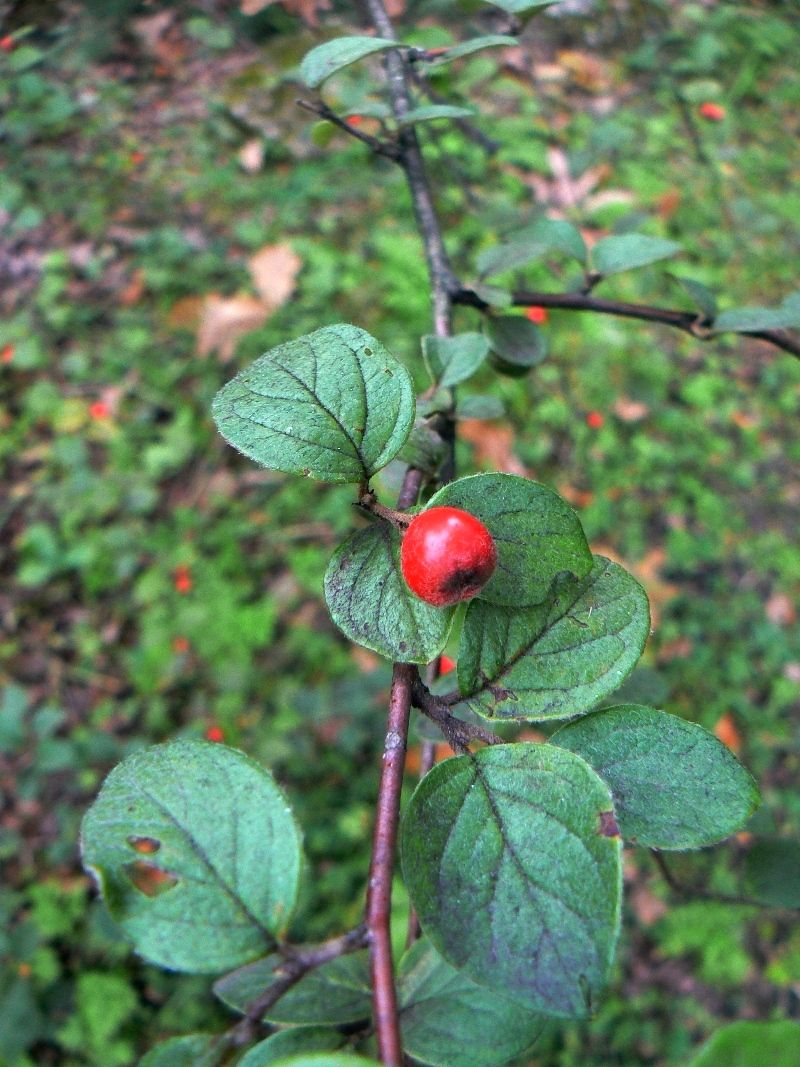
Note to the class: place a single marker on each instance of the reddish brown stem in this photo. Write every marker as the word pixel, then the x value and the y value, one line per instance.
pixel 379 889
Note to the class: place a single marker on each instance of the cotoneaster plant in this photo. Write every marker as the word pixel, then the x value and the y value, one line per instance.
pixel 510 851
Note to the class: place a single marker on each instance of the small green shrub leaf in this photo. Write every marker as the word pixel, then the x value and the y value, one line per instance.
pixel 493 295
pixel 332 405
pixel 754 319
pixel 448 1020
pixel 454 359
pixel 432 112
pixel 336 993
pixel 196 853
pixel 516 343
pixel 772 872
pixel 700 295
pixel 370 602
pixel 328 58
pixel 326 1059
pixel 520 7
pixel 480 407
pixel 511 860
pixel 466 48
pixel 610 255
pixel 193 1050
pixel 291 1043
pixel 537 535
pixel 749 1044
pixel 531 243
pixel 675 786
pixel 557 659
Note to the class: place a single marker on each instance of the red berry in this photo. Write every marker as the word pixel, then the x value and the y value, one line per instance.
pixel 7 43
pixel 537 315
pixel 99 410
pixel 447 555
pixel 7 354
pixel 182 579
pixel 137 158
pixel 180 645
pixel 712 112
pixel 594 420
pixel 354 120
pixel 214 733
pixel 446 665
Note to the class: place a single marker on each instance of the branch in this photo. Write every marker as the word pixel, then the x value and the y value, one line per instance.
pixel 381 148
pixel 299 961
pixel 457 733
pixel 379 888
pixel 709 894
pixel 687 321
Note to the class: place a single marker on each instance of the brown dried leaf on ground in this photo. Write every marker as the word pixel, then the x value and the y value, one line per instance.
pixel 648 571
pixel 224 320
pixel 493 446
pixel 630 410
pixel 307 10
pixel 274 270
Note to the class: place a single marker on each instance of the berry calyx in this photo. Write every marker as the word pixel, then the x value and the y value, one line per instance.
pixel 447 555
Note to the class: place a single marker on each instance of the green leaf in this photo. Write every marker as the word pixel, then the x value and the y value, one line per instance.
pixel 336 993
pixel 196 853
pixel 448 1020
pixel 537 535
pixel 454 359
pixel 327 1059
pixel 754 319
pixel 610 255
pixel 493 295
pixel 333 405
pixel 327 58
pixel 291 1043
pixel 675 786
pixel 747 1044
pixel 701 296
pixel 193 1050
pixel 531 243
pixel 509 862
pixel 519 7
pixel 432 112
pixel 518 343
pixel 555 660
pixel 772 872
pixel 370 602
pixel 466 48
pixel 480 407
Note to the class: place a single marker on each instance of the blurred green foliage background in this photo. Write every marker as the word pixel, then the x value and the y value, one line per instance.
pixel 154 585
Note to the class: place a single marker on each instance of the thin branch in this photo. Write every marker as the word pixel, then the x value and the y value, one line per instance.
pixel 694 891
pixel 687 321
pixel 298 962
pixel 457 733
pixel 381 148
pixel 379 889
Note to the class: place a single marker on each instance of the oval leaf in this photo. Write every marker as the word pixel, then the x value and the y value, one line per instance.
pixel 519 7
pixel 772 872
pixel 610 255
pixel 370 602
pixel 193 1050
pixel 675 786
pixel 755 319
pixel 700 295
pixel 448 1020
pixel 291 1043
pixel 327 58
pixel 326 1059
pixel 531 243
pixel 218 880
pixel 480 407
pixel 746 1044
pixel 454 359
pixel 432 112
pixel 538 536
pixel 516 881
pixel 333 405
pixel 518 343
pixel 336 993
pixel 477 44
pixel 555 660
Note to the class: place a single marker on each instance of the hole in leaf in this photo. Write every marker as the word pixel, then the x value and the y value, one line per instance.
pixel 148 879
pixel 146 845
pixel 607 824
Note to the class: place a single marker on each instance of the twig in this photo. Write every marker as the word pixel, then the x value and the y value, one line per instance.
pixel 457 733
pixel 298 962
pixel 687 321
pixel 709 894
pixel 379 889
pixel 381 148
pixel 469 129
